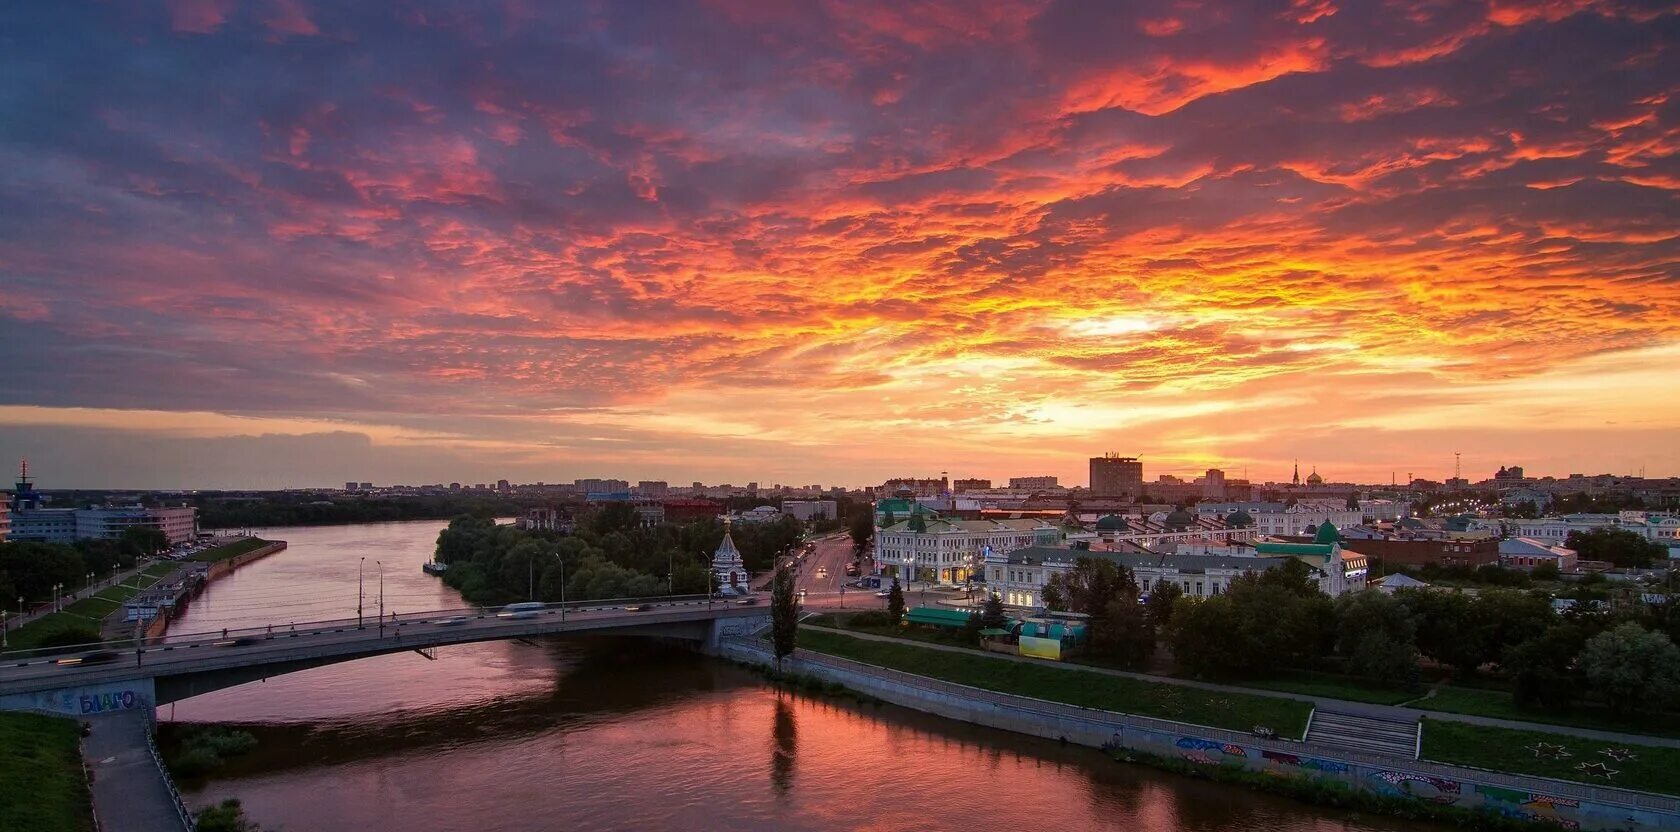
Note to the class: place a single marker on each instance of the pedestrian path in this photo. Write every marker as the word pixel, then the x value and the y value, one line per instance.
pixel 131 793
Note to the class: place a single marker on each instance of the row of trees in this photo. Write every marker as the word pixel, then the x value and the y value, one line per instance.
pixel 1278 621
pixel 609 556
pixel 30 570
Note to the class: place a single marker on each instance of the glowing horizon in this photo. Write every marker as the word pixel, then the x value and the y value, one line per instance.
pixel 286 243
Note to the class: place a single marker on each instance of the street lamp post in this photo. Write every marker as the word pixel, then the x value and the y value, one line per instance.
pixel 562 586
pixel 359 565
pixel 3 629
pixel 381 598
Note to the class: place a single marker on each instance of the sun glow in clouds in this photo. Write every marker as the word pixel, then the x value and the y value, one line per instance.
pixel 841 241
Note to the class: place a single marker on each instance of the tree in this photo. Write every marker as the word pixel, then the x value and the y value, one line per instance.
pixel 1502 618
pixel 1618 546
pixel 1055 594
pixel 1444 627
pixel 229 816
pixel 784 616
pixel 992 616
pixel 1547 571
pixel 1543 668
pixel 1631 668
pixel 1374 632
pixel 1161 601
pixel 1353 502
pixel 144 541
pixel 895 601
pixel 1124 633
pixel 862 529
pixel 1208 639
pixel 972 628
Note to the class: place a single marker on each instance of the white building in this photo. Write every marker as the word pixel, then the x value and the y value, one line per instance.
pixel 178 523
pixel 762 514
pixel 1660 528
pixel 808 510
pixel 922 549
pixel 1281 519
pixel 1018 577
pixel 729 572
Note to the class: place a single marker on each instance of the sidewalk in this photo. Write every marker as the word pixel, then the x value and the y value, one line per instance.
pixel 129 792
pixel 1339 705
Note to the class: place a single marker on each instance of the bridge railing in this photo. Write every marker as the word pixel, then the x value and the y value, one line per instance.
pixel 282 628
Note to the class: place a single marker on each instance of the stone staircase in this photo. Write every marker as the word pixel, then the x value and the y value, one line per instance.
pixel 1395 735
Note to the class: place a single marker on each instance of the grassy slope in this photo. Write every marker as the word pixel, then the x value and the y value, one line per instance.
pixel 1498 703
pixel 42 788
pixel 1652 768
pixel 1236 712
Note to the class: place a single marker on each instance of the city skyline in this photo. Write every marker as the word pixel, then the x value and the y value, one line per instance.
pixel 286 244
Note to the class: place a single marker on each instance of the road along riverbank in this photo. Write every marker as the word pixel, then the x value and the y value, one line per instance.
pixel 1400 786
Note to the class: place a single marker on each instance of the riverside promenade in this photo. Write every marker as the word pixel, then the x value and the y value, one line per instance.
pixel 1394 712
pixel 1221 753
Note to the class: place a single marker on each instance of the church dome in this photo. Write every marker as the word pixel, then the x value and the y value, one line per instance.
pixel 1180 519
pixel 1314 478
pixel 1113 523
pixel 1239 519
pixel 1327 533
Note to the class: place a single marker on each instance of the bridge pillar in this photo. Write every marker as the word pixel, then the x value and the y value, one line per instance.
pixel 727 628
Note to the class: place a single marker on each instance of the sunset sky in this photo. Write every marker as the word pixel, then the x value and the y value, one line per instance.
pixel 295 242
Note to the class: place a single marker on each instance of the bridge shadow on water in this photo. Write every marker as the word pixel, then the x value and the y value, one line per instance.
pixel 599 679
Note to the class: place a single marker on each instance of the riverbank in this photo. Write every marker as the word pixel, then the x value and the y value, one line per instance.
pixel 43 787
pixel 1471 796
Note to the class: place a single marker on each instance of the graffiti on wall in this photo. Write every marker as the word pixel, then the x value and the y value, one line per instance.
pixel 1208 752
pixel 1421 786
pixel 1307 763
pixel 1532 806
pixel 86 700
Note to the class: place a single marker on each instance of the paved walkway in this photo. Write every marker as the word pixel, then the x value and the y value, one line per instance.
pixel 129 791
pixel 1345 706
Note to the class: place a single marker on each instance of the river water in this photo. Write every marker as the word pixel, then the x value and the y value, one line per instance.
pixel 598 734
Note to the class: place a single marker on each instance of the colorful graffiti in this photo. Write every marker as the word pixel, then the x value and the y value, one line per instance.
pixel 1530 806
pixel 1309 763
pixel 122 700
pixel 1209 753
pixel 1421 786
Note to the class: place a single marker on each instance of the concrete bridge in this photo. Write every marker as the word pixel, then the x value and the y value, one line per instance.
pixel 93 681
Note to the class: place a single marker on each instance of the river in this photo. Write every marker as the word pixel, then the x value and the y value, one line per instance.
pixel 591 734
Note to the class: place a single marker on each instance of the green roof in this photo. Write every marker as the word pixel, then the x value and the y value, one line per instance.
pixel 1292 549
pixel 937 617
pixel 1327 534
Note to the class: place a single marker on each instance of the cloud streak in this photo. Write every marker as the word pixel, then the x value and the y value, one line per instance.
pixel 834 226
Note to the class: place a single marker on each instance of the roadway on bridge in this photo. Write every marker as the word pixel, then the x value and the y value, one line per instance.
pixel 23 674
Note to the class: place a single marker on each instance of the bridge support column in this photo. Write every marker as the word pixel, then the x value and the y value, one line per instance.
pixel 727 628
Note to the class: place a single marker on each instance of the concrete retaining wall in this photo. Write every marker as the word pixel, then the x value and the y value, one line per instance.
pixel 1570 805
pixel 222 567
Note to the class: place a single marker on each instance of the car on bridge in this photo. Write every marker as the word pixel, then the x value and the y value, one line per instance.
pixel 523 609
pixel 637 607
pixel 96 657
pixel 452 621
